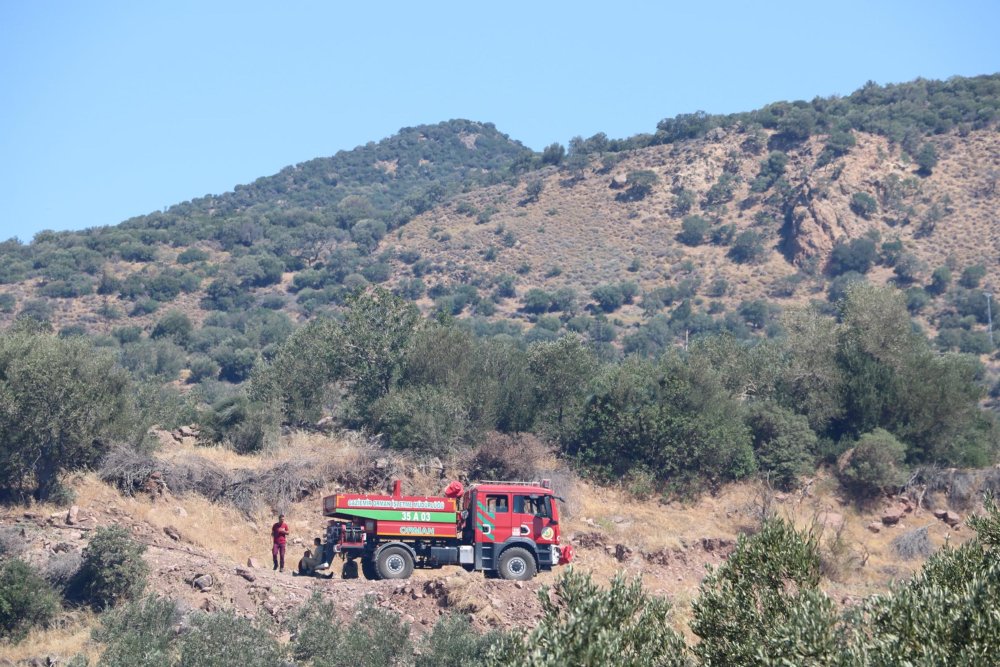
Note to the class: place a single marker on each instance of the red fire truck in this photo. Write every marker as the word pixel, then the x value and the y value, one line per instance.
pixel 508 530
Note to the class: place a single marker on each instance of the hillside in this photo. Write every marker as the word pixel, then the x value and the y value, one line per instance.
pixel 756 341
pixel 667 546
pixel 466 221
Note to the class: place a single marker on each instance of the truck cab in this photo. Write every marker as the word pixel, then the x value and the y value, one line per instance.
pixel 499 517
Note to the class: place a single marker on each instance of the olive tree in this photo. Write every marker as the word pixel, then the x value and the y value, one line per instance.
pixel 61 404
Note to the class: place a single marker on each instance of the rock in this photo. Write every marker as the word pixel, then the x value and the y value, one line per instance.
pixel 180 511
pixel 203 582
pixel 622 553
pixel 172 533
pixel 891 517
pixel 252 562
pixel 62 547
pixel 952 519
pixel 874 527
pixel 716 544
pixel 940 514
pixel 188 432
pixel 72 517
pixel 246 574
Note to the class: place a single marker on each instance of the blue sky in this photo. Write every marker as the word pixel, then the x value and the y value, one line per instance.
pixel 114 109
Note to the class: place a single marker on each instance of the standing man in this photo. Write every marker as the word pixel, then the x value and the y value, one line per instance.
pixel 279 535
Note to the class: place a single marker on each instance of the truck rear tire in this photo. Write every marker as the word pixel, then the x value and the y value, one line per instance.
pixel 516 564
pixel 394 563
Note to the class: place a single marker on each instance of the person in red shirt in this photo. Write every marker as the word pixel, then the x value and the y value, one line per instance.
pixel 279 536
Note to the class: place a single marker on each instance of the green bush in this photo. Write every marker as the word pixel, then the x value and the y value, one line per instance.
pixel 750 607
pixel 454 643
pixel 224 639
pixel 139 634
pixel 315 640
pixel 693 229
pixel 427 419
pixel 972 276
pixel 61 403
pixel 374 637
pixel 864 205
pixel 748 247
pixel 26 600
pixel 609 298
pixel 113 569
pixel 244 425
pixel 858 255
pixel 783 442
pixel 585 624
pixel 875 465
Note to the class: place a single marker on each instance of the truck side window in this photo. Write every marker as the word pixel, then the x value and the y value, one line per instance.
pixel 529 505
pixel 497 504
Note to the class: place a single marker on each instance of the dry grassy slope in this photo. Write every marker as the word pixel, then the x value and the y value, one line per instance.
pixel 593 238
pixel 667 545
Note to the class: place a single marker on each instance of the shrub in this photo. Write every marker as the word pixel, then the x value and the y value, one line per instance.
pixel 245 426
pixel 859 255
pixel 748 247
pixel 537 301
pixel 192 255
pixel 783 442
pixel 864 205
pixel 874 465
pixel 609 298
pixel 427 419
pixel 202 368
pixel 139 633
pixel 315 639
pixel 454 643
pixel 26 600
pixel 174 325
pixel 113 569
pixel 972 275
pixel 748 606
pixel 585 624
pixel 926 159
pixel 503 456
pixel 43 437
pixel 940 280
pixel 693 229
pixel 373 638
pixel 224 639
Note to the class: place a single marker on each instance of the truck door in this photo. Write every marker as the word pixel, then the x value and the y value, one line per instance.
pixel 532 518
pixel 493 517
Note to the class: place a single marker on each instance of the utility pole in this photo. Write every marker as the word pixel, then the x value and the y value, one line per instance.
pixel 989 315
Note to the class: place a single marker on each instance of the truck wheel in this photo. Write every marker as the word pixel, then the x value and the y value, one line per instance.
pixel 369 570
pixel 350 570
pixel 394 563
pixel 516 564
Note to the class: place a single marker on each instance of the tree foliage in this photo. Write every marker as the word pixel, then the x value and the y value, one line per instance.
pixel 62 403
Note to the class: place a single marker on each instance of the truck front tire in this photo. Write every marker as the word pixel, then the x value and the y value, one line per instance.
pixel 516 564
pixel 394 563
